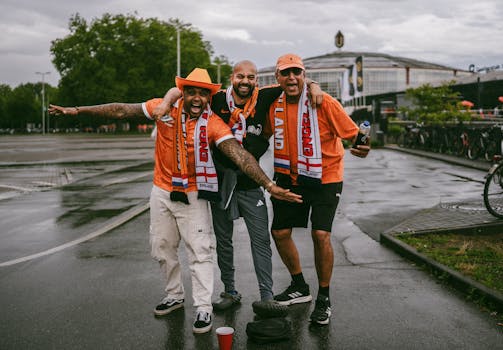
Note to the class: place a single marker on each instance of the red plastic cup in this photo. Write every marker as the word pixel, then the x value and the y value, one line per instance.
pixel 225 335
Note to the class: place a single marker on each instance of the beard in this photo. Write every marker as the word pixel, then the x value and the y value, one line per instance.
pixel 242 94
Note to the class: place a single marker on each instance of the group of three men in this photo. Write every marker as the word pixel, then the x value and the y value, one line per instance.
pixel 196 154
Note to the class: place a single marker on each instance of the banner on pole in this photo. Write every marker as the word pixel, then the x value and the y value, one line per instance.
pixel 352 81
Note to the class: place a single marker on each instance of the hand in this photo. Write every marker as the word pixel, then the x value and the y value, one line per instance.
pixel 284 194
pixel 58 110
pixel 160 113
pixel 315 95
pixel 160 110
pixel 360 151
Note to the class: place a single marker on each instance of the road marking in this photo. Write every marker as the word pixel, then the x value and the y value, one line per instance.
pixel 115 222
pixel 44 183
pixel 126 179
pixel 17 188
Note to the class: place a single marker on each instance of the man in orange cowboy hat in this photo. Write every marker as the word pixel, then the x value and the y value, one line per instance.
pixel 184 180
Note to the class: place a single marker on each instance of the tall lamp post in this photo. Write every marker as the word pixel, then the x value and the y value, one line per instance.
pixel 43 74
pixel 178 51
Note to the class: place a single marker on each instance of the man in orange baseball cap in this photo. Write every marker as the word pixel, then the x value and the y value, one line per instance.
pixel 184 180
pixel 308 159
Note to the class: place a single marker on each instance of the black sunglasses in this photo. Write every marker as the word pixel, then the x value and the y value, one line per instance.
pixel 286 72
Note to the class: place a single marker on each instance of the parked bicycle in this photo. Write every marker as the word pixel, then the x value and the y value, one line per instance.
pixel 493 189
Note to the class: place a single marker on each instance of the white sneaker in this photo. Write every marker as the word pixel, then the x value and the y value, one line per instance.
pixel 167 305
pixel 202 323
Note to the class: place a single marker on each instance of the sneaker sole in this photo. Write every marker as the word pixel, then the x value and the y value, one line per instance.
pixel 167 311
pixel 298 300
pixel 202 330
pixel 323 322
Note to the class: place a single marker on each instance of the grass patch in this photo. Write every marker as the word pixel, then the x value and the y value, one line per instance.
pixel 479 257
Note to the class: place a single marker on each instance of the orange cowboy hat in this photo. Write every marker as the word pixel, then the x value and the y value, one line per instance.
pixel 200 78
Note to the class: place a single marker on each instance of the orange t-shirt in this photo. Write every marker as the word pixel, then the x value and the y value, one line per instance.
pixel 165 143
pixel 334 124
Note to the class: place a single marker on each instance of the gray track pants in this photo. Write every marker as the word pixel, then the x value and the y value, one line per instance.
pixel 252 207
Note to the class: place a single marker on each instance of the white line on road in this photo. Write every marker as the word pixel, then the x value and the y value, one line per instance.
pixel 17 188
pixel 117 221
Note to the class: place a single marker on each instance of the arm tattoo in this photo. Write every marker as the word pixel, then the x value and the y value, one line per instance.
pixel 244 160
pixel 113 110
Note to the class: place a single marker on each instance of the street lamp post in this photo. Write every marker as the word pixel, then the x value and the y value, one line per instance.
pixel 43 74
pixel 178 51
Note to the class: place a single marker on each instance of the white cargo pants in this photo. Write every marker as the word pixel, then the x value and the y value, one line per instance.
pixel 169 223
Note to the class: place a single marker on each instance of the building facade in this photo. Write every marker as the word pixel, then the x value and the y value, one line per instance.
pixel 382 74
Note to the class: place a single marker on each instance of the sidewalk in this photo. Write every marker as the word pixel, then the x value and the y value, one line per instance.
pixel 470 217
pixel 100 293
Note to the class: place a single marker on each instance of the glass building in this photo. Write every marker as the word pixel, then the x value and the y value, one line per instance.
pixel 382 74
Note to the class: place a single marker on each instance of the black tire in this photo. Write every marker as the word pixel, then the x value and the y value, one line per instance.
pixel 474 150
pixel 493 192
pixel 491 151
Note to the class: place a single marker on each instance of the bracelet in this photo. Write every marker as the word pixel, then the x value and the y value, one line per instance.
pixel 268 186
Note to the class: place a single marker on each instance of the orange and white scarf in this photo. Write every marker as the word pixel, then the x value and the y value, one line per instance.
pixel 237 121
pixel 309 166
pixel 206 175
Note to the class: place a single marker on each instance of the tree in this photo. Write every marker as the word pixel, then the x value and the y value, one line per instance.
pixel 435 105
pixel 24 106
pixel 5 92
pixel 124 58
pixel 222 69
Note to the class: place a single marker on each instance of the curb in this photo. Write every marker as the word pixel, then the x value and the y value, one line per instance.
pixel 462 283
pixel 474 164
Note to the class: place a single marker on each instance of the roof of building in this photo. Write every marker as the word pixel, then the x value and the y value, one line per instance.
pixel 484 77
pixel 342 59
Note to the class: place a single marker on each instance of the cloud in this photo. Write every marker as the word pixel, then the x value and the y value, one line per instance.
pixel 454 33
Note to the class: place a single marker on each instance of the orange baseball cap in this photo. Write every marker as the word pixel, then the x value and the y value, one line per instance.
pixel 199 77
pixel 289 61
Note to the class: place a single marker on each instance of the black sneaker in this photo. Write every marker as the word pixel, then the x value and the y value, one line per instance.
pixel 269 309
pixel 294 295
pixel 167 305
pixel 202 323
pixel 322 311
pixel 226 301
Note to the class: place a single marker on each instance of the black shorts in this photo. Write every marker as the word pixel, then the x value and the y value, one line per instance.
pixel 323 201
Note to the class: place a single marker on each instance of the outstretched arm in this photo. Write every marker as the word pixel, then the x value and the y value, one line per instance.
pixel 248 165
pixel 109 110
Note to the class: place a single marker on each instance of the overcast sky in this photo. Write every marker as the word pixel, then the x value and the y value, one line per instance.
pixel 455 33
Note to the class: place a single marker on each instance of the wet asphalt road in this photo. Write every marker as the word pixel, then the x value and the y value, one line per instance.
pixel 99 293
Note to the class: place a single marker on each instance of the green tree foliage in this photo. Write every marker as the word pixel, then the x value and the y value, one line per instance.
pixel 5 92
pixel 124 58
pixel 435 105
pixel 221 63
pixel 23 105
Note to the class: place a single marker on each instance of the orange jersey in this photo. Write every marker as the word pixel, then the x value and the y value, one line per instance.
pixel 334 125
pixel 165 143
